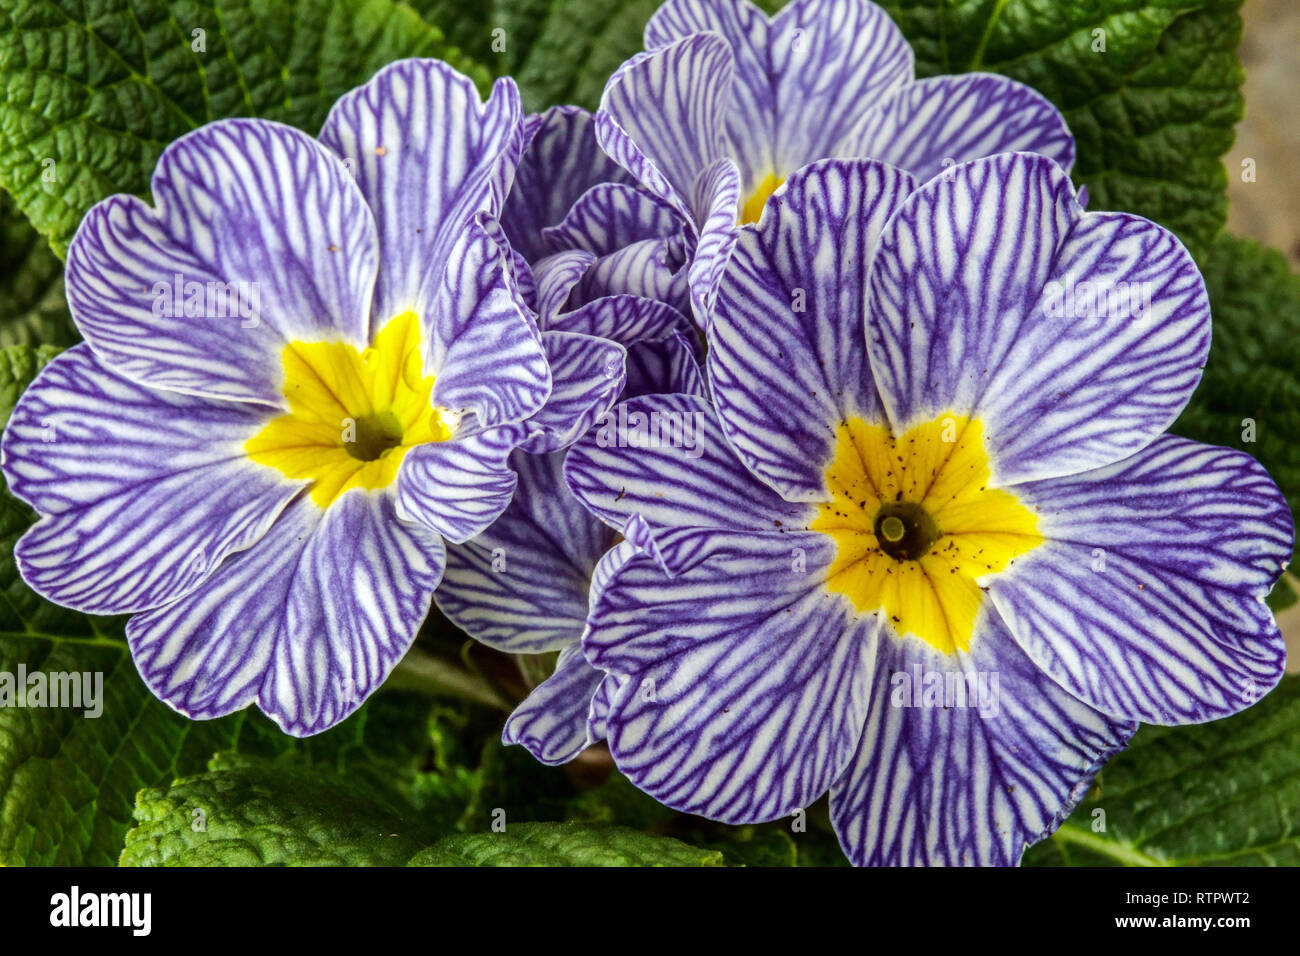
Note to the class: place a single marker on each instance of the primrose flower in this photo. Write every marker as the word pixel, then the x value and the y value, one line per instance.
pixel 266 489
pixel 727 103
pixel 586 229
pixel 522 585
pixel 591 276
pixel 941 561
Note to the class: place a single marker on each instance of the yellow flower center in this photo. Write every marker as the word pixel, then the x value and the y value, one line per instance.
pixel 915 525
pixel 753 206
pixel 352 415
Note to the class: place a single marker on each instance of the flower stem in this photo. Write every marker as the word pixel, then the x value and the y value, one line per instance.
pixel 422 672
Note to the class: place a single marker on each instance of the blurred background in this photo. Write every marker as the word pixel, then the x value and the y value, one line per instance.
pixel 1268 209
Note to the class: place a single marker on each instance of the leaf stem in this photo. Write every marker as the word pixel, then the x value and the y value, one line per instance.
pixel 1120 852
pixel 421 671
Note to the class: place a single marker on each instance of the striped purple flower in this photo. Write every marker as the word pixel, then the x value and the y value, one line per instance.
pixel 727 103
pixel 940 562
pixel 306 365
pixel 522 585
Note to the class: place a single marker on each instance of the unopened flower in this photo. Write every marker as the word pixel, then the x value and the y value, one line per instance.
pixel 584 226
pixel 522 585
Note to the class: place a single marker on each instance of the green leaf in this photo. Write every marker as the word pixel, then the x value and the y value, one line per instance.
pixel 564 844
pixel 33 309
pixel 496 33
pixel 68 781
pixel 1152 114
pixel 559 51
pixel 1249 397
pixel 1225 793
pixel 756 846
pixel 510 779
pixel 574 46
pixel 253 813
pixel 99 87
pixel 617 801
pixel 18 366
pixel 394 749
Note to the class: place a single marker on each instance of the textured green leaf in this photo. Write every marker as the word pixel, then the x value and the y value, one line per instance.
pixel 18 366
pixel 395 747
pixel 1252 379
pixel 33 309
pixel 496 33
pixel 1225 793
pixel 67 781
pixel 564 844
pixel 559 51
pixel 1152 114
pixel 617 801
pixel 253 813
pixel 101 86
pixel 575 46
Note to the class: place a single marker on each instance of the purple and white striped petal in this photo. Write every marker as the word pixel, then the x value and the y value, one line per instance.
pixel 984 301
pixel 483 347
pixel 556 276
pixel 609 216
pixel 650 269
pixel 625 319
pixel 748 682
pixel 257 236
pixel 459 487
pixel 665 458
pixel 525 279
pixel 843 56
pixel 307 623
pixel 664 366
pixel 142 492
pixel 588 375
pixel 803 80
pixel 361 591
pixel 662 113
pixel 965 759
pixel 551 723
pixel 1147 598
pixel 207 654
pixel 934 123
pixel 429 156
pixel 717 197
pixel 608 690
pixel 609 565
pixel 751 113
pixel 561 161
pixel 786 357
pixel 521 586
